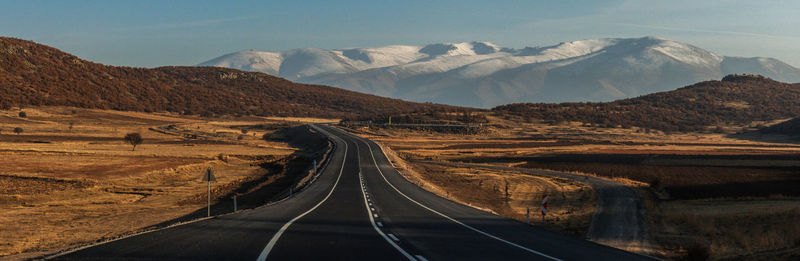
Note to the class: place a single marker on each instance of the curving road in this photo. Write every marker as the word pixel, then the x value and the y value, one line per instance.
pixel 360 208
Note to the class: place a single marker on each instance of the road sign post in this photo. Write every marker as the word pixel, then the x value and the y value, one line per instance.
pixel 209 177
pixel 544 207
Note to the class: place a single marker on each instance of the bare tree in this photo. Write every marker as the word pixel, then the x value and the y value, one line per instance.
pixel 134 139
pixel 18 130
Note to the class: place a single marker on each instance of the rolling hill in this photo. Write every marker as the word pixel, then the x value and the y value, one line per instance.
pixel 735 100
pixel 35 74
pixel 481 74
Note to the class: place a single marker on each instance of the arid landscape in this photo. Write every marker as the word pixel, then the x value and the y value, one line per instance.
pixel 707 194
pixel 69 178
pixel 370 130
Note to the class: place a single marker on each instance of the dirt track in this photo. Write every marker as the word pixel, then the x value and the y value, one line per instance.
pixel 619 220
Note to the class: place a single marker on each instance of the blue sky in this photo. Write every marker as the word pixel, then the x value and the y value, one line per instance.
pixel 156 33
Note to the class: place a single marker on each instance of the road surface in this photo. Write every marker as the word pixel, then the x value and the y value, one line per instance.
pixel 360 208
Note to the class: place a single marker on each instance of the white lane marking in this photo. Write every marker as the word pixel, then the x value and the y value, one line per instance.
pixel 379 224
pixel 394 237
pixel 274 240
pixel 372 220
pixel 445 216
pixel 421 258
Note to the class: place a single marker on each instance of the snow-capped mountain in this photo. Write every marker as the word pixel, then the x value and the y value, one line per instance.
pixel 481 74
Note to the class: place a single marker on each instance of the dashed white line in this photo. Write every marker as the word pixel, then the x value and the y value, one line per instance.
pixel 374 161
pixel 394 237
pixel 380 224
pixel 375 226
pixel 421 258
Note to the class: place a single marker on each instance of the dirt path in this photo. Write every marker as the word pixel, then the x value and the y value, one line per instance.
pixel 619 220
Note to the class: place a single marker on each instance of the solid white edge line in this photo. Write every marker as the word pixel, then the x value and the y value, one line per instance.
pixel 445 216
pixel 265 253
pixel 372 220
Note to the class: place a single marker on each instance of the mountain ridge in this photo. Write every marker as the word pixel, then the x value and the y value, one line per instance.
pixel 736 100
pixel 482 74
pixel 33 74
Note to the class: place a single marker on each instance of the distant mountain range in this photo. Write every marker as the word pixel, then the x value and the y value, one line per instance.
pixel 36 74
pixel 481 74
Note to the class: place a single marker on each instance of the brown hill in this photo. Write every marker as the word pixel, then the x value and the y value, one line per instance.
pixel 735 100
pixel 35 74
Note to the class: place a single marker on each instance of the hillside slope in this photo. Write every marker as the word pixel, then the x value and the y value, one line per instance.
pixel 788 128
pixel 735 100
pixel 35 74
pixel 481 74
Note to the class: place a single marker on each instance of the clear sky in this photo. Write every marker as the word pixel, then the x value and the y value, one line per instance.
pixel 170 32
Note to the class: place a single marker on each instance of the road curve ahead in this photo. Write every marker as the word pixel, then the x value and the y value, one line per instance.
pixel 360 208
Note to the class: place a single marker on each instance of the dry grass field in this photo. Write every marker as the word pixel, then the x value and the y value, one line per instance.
pixel 507 193
pixel 69 178
pixel 742 192
pixel 742 229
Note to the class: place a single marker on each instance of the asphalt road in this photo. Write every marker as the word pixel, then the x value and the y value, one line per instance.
pixel 360 208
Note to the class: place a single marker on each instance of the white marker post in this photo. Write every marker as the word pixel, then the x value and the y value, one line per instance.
pixel 528 216
pixel 209 177
pixel 315 167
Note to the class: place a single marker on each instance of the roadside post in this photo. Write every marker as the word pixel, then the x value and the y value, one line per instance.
pixel 315 167
pixel 528 216
pixel 209 177
pixel 544 207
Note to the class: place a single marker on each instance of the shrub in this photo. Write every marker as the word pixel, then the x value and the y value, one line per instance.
pixel 18 130
pixel 22 114
pixel 134 139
